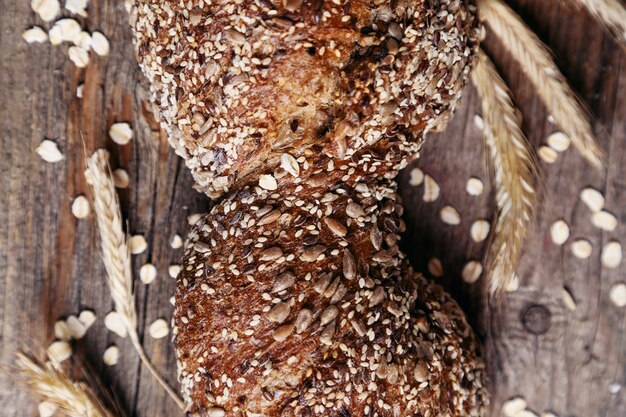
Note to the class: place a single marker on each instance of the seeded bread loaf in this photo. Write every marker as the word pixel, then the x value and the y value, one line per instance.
pixel 294 299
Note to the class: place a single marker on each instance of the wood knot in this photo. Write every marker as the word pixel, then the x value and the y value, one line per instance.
pixel 536 319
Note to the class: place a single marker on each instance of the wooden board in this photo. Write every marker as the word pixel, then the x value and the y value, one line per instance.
pixel 559 360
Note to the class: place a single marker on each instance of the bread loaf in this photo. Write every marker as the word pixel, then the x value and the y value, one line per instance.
pixel 294 299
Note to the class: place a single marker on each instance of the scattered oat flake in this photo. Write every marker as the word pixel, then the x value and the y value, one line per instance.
pixel 147 273
pixel 79 90
pixel 35 35
pixel 568 299
pixel 59 351
pixel 547 154
pixel 614 388
pixel 592 199
pixel 54 35
pixel 479 122
pixel 111 355
pixel 68 29
pixel 617 294
pixel 604 220
pixel 474 186
pixel 121 133
pixel 174 270
pixel 46 9
pixel 471 271
pixel 159 329
pixel 559 231
pixel 268 182
pixel 77 329
pixel 138 244
pixel 435 267
pixel 79 56
pixel 61 331
pixel 431 189
pixel 47 408
pixel 513 406
pixel 49 151
pixel 558 141
pixel 80 207
pixel 121 178
pixel 177 242
pixel 113 321
pixel 83 39
pixel 581 248
pixel 612 254
pixel 87 317
pixel 480 230
pixel 417 177
pixel 526 413
pixel 77 7
pixel 192 219
pixel 513 284
pixel 100 44
pixel 450 215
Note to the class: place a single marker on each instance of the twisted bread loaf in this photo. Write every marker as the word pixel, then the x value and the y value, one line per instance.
pixel 294 299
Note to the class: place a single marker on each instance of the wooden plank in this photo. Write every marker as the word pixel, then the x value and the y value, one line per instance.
pixel 49 260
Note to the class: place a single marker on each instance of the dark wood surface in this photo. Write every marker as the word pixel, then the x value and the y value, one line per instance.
pixel 50 267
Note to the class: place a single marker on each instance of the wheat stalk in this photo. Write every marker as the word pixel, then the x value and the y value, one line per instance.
pixel 75 399
pixel 116 254
pixel 537 63
pixel 609 12
pixel 514 169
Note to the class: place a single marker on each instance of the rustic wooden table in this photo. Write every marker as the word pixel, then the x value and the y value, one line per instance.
pixel 568 362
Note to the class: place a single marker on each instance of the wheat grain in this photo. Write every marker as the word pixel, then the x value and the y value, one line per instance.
pixel 609 12
pixel 116 254
pixel 75 399
pixel 538 64
pixel 514 169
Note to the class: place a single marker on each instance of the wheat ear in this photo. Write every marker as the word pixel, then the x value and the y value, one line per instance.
pixel 537 63
pixel 611 13
pixel 514 169
pixel 75 399
pixel 116 254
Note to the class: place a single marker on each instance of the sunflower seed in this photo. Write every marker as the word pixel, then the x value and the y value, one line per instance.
pixel 35 35
pixel 547 154
pixel 283 281
pixel 329 314
pixel 158 329
pixel 431 189
pixel 100 44
pixel 79 56
pixel 61 331
pixel 234 36
pixel 268 182
pixel 80 207
pixel 568 300
pixel 270 217
pixel 355 211
pixel 46 9
pixel 120 178
pixel 558 141
pixel 59 351
pixel 376 237
pixel 49 151
pixel 76 328
pixel 336 227
pixel 581 248
pixel 327 334
pixel 612 255
pixel 111 355
pixel 513 406
pixel 450 216
pixel 617 294
pixel 435 268
pixel 283 332
pixel 77 7
pixel 305 317
pixel 474 186
pixel 279 312
pixel 174 270
pixel 47 409
pixel 559 231
pixel 592 199
pixel 349 265
pixel 290 164
pixel 292 5
pixel 311 253
pixel 113 321
pixel 147 273
pixel 87 317
pixel 270 254
pixel 471 271
pixel 480 230
pixel 121 133
pixel 417 177
pixel 138 244
pixel 604 220
pixel 177 242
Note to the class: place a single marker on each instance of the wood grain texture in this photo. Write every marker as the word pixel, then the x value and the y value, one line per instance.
pixel 50 267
